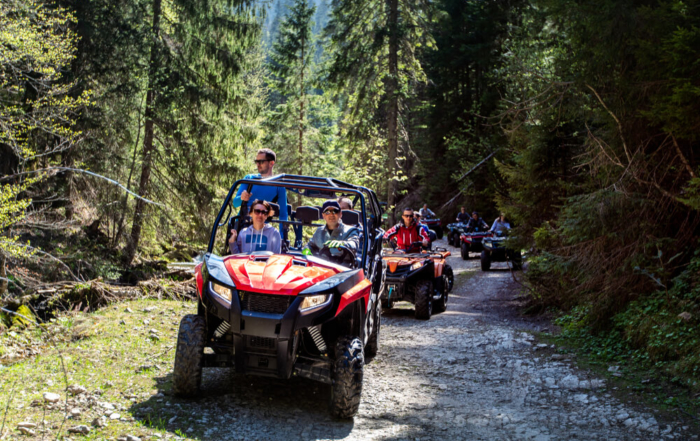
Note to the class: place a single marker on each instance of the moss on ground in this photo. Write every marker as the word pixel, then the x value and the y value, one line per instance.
pixel 121 358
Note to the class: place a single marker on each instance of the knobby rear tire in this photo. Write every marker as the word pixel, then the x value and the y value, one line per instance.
pixel 447 271
pixel 485 261
pixel 372 347
pixel 465 251
pixel 441 304
pixel 348 371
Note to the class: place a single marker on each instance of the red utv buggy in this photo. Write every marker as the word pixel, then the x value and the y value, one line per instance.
pixel 279 315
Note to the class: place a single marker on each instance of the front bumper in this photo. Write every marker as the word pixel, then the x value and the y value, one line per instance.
pixel 475 245
pixel 266 329
pixel 397 283
pixel 501 254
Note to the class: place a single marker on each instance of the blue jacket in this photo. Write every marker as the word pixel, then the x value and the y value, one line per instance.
pixel 278 195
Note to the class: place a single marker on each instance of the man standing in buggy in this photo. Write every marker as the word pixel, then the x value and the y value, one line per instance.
pixel 407 232
pixel 265 161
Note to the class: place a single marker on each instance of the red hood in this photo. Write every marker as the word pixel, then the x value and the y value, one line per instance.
pixel 275 274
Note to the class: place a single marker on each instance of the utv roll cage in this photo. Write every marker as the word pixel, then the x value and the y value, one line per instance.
pixel 313 187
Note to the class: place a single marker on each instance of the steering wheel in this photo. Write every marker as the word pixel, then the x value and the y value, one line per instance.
pixel 325 253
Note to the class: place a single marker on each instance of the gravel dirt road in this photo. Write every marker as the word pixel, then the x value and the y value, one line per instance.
pixel 474 372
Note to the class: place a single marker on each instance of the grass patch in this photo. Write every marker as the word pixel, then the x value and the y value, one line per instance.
pixel 630 373
pixel 123 360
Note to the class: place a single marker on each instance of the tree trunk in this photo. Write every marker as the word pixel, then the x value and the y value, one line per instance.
pixel 301 115
pixel 392 87
pixel 301 111
pixel 147 154
pixel 3 275
pixel 122 215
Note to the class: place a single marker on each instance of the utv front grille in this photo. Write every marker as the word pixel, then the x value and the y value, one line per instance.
pixel 261 342
pixel 269 303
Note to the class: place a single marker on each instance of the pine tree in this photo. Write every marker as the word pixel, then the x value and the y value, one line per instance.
pixel 292 57
pixel 198 51
pixel 374 61
pixel 302 119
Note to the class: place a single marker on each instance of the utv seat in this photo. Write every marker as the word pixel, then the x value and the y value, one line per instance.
pixel 275 209
pixel 350 217
pixel 307 215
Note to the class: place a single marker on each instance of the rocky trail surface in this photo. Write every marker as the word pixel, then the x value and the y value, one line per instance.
pixel 471 373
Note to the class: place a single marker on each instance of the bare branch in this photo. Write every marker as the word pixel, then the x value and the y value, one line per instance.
pixel 111 181
pixel 44 253
pixel 619 126
pixel 683 158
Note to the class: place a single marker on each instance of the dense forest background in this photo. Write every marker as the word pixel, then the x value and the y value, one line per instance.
pixel 122 124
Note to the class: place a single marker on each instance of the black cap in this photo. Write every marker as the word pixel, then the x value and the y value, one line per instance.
pixel 330 204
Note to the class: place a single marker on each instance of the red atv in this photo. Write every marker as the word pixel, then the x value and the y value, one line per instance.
pixel 473 242
pixel 433 224
pixel 279 315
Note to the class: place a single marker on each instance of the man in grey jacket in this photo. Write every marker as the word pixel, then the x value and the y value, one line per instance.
pixel 335 233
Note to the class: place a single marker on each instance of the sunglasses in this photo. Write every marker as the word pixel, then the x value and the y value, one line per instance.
pixel 260 211
pixel 331 212
pixel 407 215
pixel 260 161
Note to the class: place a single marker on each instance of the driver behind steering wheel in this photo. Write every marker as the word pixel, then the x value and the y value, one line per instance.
pixel 335 233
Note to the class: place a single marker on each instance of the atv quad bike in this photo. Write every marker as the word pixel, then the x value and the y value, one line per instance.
pixel 472 242
pixel 433 224
pixel 454 231
pixel 495 251
pixel 422 278
pixel 279 315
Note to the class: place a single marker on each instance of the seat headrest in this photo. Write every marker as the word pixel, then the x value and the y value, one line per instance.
pixel 350 217
pixel 307 215
pixel 276 209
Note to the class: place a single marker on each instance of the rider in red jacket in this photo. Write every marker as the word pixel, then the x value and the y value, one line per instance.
pixel 407 232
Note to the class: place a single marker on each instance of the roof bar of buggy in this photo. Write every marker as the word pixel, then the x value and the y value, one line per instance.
pixel 304 183
pixel 338 185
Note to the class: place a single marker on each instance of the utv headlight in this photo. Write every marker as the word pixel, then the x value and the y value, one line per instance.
pixel 416 265
pixel 222 291
pixel 313 301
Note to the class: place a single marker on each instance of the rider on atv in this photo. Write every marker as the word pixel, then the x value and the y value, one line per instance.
pixel 426 212
pixel 501 224
pixel 463 216
pixel 335 233
pixel 431 234
pixel 407 232
pixel 477 222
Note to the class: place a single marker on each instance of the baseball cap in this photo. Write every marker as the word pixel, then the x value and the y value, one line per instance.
pixel 330 204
